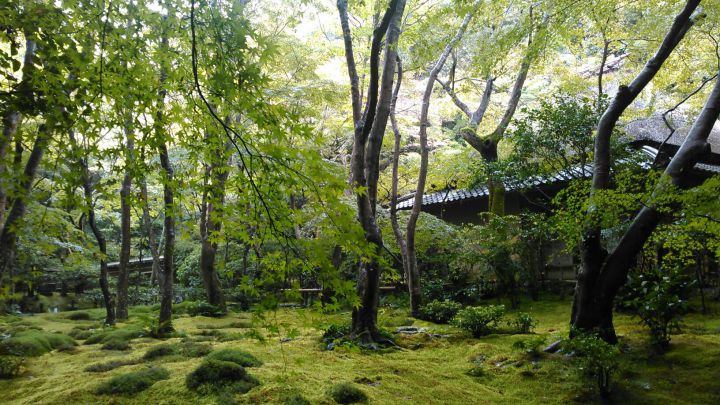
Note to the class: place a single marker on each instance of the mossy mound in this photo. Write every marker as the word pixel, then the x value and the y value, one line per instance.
pixel 116 334
pixel 159 351
pixel 295 399
pixel 111 365
pixel 236 356
pixel 133 382
pixel 116 344
pixel 32 342
pixel 217 375
pixel 346 393
pixel 194 349
pixel 81 333
pixel 79 316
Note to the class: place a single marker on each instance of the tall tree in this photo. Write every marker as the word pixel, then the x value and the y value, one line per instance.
pixel 369 129
pixel 602 274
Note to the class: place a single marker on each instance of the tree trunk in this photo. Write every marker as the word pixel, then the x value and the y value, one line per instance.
pixel 368 135
pixel 125 225
pixel 150 232
pixel 8 236
pixel 88 191
pixel 602 274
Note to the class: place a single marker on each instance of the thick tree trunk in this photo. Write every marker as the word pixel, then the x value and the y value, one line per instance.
pixel 602 274
pixel 125 225
pixel 8 236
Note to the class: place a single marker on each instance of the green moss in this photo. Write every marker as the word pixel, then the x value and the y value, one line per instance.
pixel 214 375
pixel 110 365
pixel 236 356
pixel 126 334
pixel 133 382
pixel 295 399
pixel 159 351
pixel 194 349
pixel 10 366
pixel 79 316
pixel 33 342
pixel 346 393
pixel 116 344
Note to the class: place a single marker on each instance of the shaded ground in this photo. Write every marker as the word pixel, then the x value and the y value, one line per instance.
pixel 426 370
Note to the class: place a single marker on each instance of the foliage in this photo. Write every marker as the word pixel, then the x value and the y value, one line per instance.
pixel 657 296
pixel 236 356
pixel 440 311
pixel 33 342
pixel 595 359
pixel 523 322
pixel 479 321
pixel 531 346
pixel 10 366
pixel 346 393
pixel 133 382
pixel 202 308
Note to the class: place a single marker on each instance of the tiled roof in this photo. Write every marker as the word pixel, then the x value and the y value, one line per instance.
pixel 653 129
pixel 577 172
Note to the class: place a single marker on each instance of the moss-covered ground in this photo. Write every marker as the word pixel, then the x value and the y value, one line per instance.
pixel 426 370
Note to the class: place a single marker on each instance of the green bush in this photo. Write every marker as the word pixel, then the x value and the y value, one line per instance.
pixel 159 351
pixel 523 323
pixel 79 316
pixel 215 375
pixel 346 393
pixel 594 358
pixel 236 356
pixel 133 382
pixel 33 342
pixel 116 344
pixel 479 321
pixel 440 311
pixel 110 365
pixel 202 308
pixel 10 366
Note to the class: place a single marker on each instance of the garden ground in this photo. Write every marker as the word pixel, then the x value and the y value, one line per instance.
pixel 449 369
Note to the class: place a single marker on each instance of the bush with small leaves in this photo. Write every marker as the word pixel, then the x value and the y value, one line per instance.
pixel 215 375
pixel 133 382
pixel 236 356
pixel 346 393
pixel 440 311
pixel 522 323
pixel 479 321
pixel 10 366
pixel 594 358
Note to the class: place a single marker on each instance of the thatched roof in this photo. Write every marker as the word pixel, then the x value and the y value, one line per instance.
pixel 654 131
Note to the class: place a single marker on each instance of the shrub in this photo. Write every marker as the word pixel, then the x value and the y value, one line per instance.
pixel 236 356
pixel 133 382
pixel 594 358
pixel 159 351
pixel 33 342
pixel 346 393
pixel 202 308
pixel 479 321
pixel 214 375
pixel 116 344
pixel 78 316
pixel 523 323
pixel 440 311
pixel 111 365
pixel 657 298
pixel 10 366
